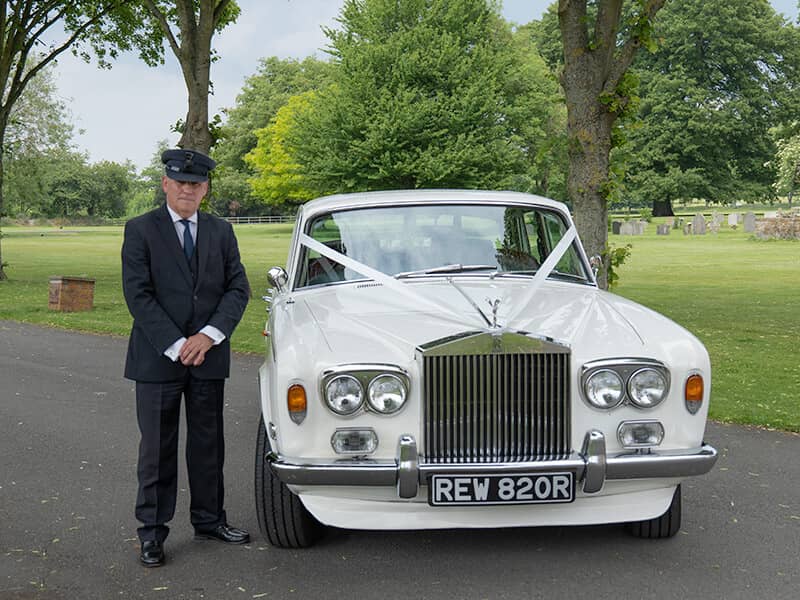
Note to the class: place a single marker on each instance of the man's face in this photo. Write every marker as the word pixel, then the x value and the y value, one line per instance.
pixel 184 196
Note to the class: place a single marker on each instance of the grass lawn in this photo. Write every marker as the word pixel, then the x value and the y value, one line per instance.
pixel 741 297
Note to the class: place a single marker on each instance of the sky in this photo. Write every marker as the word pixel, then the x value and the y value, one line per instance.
pixel 121 114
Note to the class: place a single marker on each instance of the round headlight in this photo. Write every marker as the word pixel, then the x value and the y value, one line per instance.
pixel 386 394
pixel 344 395
pixel 647 388
pixel 604 389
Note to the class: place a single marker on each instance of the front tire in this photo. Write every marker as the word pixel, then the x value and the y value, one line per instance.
pixel 665 526
pixel 282 518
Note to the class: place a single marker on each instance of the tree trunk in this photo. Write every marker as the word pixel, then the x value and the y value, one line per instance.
pixel 588 133
pixel 663 208
pixel 195 60
pixel 596 58
pixel 192 48
pixel 589 148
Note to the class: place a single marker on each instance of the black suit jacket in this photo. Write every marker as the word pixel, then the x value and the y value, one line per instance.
pixel 166 303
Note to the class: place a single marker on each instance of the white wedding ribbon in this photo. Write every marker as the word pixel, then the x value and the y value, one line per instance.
pixel 543 273
pixel 384 279
pixel 407 291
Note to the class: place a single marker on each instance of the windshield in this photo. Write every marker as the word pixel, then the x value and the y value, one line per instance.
pixel 418 241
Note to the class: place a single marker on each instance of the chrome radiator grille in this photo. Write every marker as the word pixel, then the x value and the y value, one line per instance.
pixel 496 407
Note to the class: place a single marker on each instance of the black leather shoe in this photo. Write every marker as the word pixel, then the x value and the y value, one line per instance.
pixel 152 554
pixel 224 533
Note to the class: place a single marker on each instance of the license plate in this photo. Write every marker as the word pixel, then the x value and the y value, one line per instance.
pixel 537 488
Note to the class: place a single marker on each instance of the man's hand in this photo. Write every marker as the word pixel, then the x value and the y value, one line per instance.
pixel 194 350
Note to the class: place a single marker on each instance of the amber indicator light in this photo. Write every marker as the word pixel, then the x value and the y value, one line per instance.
pixel 694 388
pixel 296 398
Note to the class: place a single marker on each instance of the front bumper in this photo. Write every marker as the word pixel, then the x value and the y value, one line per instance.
pixel 592 467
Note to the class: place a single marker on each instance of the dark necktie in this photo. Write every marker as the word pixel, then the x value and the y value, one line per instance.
pixel 188 242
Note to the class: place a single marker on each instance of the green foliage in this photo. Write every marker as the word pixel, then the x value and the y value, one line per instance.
pixel 39 129
pixel 788 165
pixel 146 190
pixel 420 100
pixel 536 112
pixel 723 74
pixel 106 188
pixel 547 38
pixel 613 258
pixel 264 93
pixel 75 188
pixel 39 120
pixel 280 179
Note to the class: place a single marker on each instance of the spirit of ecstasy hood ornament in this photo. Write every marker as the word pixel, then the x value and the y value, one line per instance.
pixel 495 304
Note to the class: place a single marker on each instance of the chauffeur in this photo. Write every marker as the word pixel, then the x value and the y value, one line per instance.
pixel 186 290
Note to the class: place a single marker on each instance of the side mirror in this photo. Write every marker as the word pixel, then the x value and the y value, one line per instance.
pixel 278 278
pixel 596 262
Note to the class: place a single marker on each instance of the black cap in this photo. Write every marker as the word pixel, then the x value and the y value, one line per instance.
pixel 187 165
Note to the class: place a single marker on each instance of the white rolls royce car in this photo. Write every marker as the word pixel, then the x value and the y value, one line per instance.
pixel 445 359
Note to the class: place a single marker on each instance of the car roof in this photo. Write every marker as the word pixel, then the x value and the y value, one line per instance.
pixel 396 197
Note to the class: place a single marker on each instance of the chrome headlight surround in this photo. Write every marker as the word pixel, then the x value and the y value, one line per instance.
pixel 630 372
pixel 370 378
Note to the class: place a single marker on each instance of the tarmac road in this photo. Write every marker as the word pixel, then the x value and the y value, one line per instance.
pixel 68 441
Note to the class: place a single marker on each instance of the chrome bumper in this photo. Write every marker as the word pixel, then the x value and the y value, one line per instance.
pixel 592 467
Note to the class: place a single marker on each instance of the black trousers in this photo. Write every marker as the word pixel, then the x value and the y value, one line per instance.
pixel 158 409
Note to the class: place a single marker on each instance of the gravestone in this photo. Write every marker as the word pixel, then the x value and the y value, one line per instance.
pixel 687 228
pixel 749 222
pixel 733 219
pixel 771 214
pixel 640 227
pixel 663 229
pixel 699 225
pixel 627 228
pixel 615 227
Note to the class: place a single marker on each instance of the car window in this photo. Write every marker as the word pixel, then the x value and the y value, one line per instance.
pixel 554 229
pixel 407 239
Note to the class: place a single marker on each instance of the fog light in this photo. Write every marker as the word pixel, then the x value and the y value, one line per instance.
pixel 354 441
pixel 640 434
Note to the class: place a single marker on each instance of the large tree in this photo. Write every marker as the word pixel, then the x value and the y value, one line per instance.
pixel 102 26
pixel 188 27
pixel 725 72
pixel 280 179
pixel 600 40
pixel 39 129
pixel 537 115
pixel 263 95
pixel 419 99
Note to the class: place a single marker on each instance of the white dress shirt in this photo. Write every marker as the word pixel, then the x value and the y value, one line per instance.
pixel 173 352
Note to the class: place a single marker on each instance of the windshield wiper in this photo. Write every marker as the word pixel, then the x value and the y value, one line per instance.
pixel 454 268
